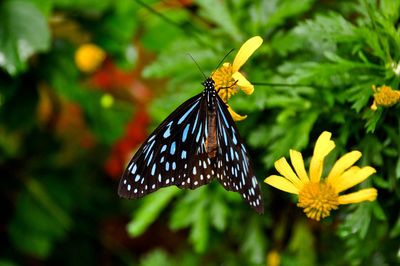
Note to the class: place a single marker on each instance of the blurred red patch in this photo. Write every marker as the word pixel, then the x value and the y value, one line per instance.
pixel 135 134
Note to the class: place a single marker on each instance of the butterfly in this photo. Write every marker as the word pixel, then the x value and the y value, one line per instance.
pixel 196 143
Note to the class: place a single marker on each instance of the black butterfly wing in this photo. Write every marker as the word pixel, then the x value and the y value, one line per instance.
pixel 234 169
pixel 199 169
pixel 171 155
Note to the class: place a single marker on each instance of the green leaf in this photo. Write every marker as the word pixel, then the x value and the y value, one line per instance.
pixel 159 33
pixel 199 233
pixel 301 244
pixel 358 221
pixel 378 211
pixel 150 209
pixel 38 222
pixel 280 140
pixel 287 9
pixel 218 213
pixel 183 214
pixel 117 29
pixel 218 12
pixel 4 262
pixel 45 6
pixel 253 244
pixel 156 258
pixel 390 9
pixel 395 231
pixel 84 5
pixel 23 32
pixel 373 118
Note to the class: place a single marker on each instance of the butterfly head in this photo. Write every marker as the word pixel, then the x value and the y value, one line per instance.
pixel 208 84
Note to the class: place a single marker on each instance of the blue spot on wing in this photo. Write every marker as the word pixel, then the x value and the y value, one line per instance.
pixel 164 148
pixel 173 148
pixel 185 132
pixel 187 113
pixel 223 116
pixel 167 132
pixel 183 155
pixel 198 134
pixel 195 122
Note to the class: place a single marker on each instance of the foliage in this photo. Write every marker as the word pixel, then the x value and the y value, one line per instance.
pixel 62 149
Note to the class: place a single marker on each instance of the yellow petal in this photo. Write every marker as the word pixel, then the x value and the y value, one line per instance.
pixel 323 146
pixel 349 173
pixel 285 170
pixel 374 107
pixel 246 51
pixel 359 176
pixel 298 164
pixel 369 194
pixel 281 183
pixel 342 164
pixel 243 83
pixel 236 116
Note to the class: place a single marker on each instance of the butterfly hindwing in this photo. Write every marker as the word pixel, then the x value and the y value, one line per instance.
pixel 234 169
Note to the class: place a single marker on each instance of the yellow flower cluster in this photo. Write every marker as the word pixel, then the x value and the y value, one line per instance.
pixel 384 96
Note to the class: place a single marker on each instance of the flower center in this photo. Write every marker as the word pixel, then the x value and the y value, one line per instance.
pixel 318 199
pixel 224 83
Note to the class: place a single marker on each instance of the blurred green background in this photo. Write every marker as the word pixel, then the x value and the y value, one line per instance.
pixel 70 120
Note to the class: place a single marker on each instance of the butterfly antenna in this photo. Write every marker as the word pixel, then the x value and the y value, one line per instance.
pixel 201 71
pixel 219 64
pixel 280 84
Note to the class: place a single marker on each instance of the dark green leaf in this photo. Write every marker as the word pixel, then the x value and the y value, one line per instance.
pixel 23 32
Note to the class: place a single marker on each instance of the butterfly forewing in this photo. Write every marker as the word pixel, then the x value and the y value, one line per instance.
pixel 163 158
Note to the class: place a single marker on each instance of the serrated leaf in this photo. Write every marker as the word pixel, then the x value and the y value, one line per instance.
pixel 283 140
pixel 373 117
pixel 358 221
pixel 23 32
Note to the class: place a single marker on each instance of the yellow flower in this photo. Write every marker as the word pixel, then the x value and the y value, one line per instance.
pixel 384 96
pixel 318 197
pixel 88 57
pixel 273 258
pixel 228 80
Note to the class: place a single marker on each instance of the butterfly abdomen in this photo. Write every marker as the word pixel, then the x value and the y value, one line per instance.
pixel 211 141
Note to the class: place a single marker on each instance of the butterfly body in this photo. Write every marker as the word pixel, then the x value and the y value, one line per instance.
pixel 199 141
